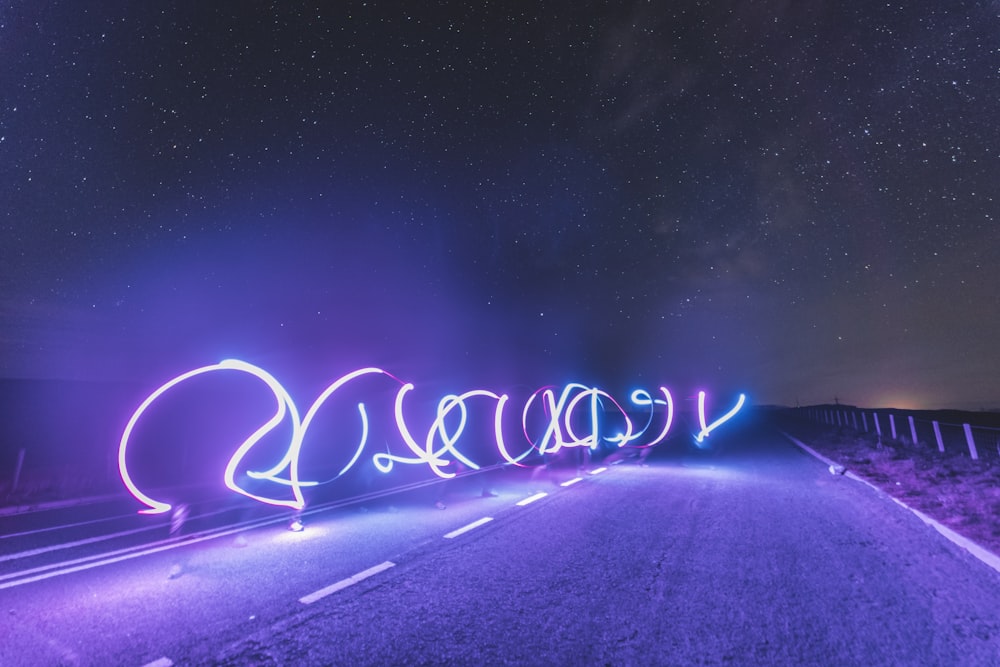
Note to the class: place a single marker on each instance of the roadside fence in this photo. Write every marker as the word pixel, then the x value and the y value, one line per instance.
pixel 979 441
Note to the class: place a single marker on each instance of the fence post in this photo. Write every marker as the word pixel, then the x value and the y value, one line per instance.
pixel 972 443
pixel 937 434
pixel 878 427
pixel 17 469
pixel 913 429
pixel 892 425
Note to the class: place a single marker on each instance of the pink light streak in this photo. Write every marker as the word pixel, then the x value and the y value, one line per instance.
pixel 576 407
pixel 284 406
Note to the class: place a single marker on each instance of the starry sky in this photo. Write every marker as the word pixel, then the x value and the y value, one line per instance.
pixel 794 199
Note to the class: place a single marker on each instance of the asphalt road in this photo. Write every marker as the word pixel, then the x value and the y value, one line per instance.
pixel 750 553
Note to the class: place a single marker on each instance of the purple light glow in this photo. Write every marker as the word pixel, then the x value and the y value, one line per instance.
pixel 290 460
pixel 577 404
pixel 427 454
pixel 284 405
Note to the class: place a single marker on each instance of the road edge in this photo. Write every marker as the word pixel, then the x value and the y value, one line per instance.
pixel 43 506
pixel 977 550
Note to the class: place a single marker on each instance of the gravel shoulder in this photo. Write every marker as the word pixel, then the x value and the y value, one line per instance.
pixel 951 488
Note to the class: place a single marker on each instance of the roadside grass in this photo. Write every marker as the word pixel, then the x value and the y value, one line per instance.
pixel 950 487
pixel 53 485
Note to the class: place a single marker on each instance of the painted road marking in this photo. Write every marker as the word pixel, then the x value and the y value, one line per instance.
pixel 160 662
pixel 983 554
pixel 597 471
pixel 466 528
pixel 571 482
pixel 97 560
pixel 531 499
pixel 344 583
pixel 77 543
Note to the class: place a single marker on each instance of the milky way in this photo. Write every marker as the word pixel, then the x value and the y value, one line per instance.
pixel 796 200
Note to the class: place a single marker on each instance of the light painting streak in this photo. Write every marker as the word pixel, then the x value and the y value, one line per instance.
pixel 574 405
pixel 641 397
pixel 559 432
pixel 284 404
pixel 427 454
pixel 290 460
pixel 706 430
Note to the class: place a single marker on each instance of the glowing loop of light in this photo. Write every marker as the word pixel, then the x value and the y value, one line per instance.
pixel 641 397
pixel 559 431
pixel 290 460
pixel 427 454
pixel 284 406
pixel 706 429
pixel 447 428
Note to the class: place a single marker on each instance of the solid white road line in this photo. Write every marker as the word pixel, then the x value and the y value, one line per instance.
pixel 982 553
pixel 78 543
pixel 344 583
pixel 466 528
pixel 97 560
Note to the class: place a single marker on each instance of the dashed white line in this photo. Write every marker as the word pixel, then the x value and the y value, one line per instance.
pixel 344 583
pixel 466 528
pixel 531 499
pixel 160 662
pixel 571 482
pixel 597 471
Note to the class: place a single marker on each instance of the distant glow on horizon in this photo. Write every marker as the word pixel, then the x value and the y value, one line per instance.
pixel 706 430
pixel 576 406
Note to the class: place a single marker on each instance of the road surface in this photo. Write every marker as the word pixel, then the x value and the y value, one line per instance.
pixel 747 553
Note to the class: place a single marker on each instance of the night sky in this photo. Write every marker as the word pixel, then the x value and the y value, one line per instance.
pixel 794 199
